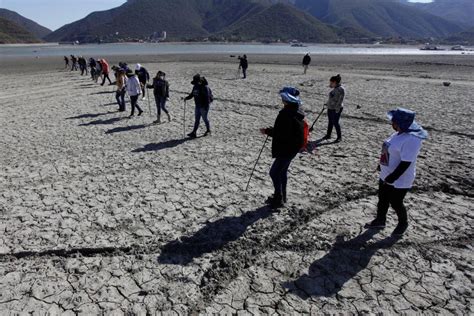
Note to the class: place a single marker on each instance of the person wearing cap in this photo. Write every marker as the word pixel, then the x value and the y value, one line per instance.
pixel 161 91
pixel 203 98
pixel 105 71
pixel 306 62
pixel 335 105
pixel 134 90
pixel 398 168
pixel 287 140
pixel 143 77
pixel 243 64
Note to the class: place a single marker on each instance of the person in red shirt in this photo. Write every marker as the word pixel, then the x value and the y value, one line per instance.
pixel 105 71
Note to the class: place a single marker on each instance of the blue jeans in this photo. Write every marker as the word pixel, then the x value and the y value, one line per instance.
pixel 279 175
pixel 198 113
pixel 333 121
pixel 120 97
pixel 160 104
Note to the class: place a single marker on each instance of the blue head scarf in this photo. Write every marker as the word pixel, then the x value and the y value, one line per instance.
pixel 405 120
pixel 291 95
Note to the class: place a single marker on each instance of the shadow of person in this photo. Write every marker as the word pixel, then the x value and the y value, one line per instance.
pixel 160 146
pixel 89 115
pixel 213 236
pixel 125 128
pixel 103 122
pixel 327 276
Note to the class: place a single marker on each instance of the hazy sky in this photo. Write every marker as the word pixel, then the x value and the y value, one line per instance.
pixel 55 13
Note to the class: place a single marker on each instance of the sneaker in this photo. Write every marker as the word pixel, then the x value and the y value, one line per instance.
pixel 375 224
pixel 276 203
pixel 192 135
pixel 338 140
pixel 327 137
pixel 169 117
pixel 140 113
pixel 207 133
pixel 400 230
pixel 156 121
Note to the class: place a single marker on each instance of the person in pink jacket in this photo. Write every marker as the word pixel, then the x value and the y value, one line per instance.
pixel 105 71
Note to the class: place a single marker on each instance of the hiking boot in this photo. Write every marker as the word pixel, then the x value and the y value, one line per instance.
pixel 375 224
pixel 399 230
pixel 327 137
pixel 192 135
pixel 276 203
pixel 207 133
pixel 157 121
pixel 140 113
pixel 169 117
pixel 338 140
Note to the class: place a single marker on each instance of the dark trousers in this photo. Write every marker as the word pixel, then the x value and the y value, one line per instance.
pixel 390 196
pixel 143 88
pixel 106 76
pixel 160 104
pixel 134 103
pixel 198 113
pixel 244 72
pixel 333 121
pixel 120 97
pixel 83 70
pixel 279 175
pixel 74 66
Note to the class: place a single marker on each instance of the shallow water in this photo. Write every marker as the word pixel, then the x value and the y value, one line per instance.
pixel 168 48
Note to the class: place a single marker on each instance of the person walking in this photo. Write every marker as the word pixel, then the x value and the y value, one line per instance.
pixel 287 140
pixel 203 98
pixel 161 91
pixel 243 64
pixel 398 168
pixel 306 62
pixel 92 66
pixel 143 77
pixel 83 65
pixel 335 106
pixel 105 71
pixel 134 90
pixel 120 93
pixel 66 62
pixel 73 63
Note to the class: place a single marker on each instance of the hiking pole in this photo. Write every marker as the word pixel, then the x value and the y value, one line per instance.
pixel 316 120
pixel 149 107
pixel 184 119
pixel 256 162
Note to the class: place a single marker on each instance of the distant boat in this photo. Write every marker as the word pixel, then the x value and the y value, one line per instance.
pixel 431 47
pixel 298 45
pixel 458 47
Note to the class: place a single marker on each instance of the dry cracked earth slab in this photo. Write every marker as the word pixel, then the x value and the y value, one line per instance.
pixel 106 215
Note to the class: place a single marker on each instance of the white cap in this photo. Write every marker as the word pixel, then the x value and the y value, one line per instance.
pixel 138 67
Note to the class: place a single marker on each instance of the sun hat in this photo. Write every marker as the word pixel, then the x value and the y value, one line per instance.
pixel 290 95
pixel 405 120
pixel 138 67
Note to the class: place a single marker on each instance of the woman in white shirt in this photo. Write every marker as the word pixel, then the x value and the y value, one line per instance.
pixel 398 168
pixel 134 90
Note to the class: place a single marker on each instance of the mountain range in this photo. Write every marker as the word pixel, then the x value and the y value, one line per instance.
pixel 269 20
pixel 11 32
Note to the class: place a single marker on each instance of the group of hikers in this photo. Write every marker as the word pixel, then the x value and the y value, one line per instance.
pixel 289 133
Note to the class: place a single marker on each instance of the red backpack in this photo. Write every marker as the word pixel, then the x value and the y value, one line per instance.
pixel 305 134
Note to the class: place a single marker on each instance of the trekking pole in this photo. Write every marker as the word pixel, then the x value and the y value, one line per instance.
pixel 149 107
pixel 256 162
pixel 184 119
pixel 316 120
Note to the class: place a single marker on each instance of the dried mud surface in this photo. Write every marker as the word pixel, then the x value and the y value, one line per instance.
pixel 101 214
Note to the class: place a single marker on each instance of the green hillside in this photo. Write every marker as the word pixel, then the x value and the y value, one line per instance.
pixel 11 33
pixel 29 25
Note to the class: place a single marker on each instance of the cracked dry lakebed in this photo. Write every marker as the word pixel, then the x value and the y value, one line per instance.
pixel 106 215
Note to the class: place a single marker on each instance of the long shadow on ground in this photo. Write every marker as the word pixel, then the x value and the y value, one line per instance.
pixel 212 237
pixel 103 122
pixel 327 276
pixel 89 115
pixel 126 128
pixel 160 146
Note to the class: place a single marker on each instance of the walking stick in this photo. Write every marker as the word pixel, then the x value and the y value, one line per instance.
pixel 184 119
pixel 148 99
pixel 316 120
pixel 256 162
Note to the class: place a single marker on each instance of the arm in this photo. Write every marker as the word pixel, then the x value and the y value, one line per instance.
pixel 339 99
pixel 167 89
pixel 398 172
pixel 189 97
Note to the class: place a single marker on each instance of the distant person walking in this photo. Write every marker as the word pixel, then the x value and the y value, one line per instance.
pixel 161 91
pixel 73 63
pixel 288 139
pixel 134 90
pixel 66 62
pixel 120 93
pixel 335 106
pixel 93 67
pixel 105 71
pixel 243 64
pixel 306 62
pixel 143 77
pixel 82 65
pixel 398 168
pixel 203 98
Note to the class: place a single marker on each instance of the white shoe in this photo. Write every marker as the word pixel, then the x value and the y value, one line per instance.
pixel 144 98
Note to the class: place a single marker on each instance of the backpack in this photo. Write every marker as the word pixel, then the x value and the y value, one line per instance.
pixel 211 96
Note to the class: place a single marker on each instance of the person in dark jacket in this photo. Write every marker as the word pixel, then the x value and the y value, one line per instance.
pixel 66 62
pixel 202 95
pixel 161 91
pixel 73 62
pixel 306 62
pixel 82 65
pixel 143 77
pixel 335 107
pixel 92 66
pixel 288 139
pixel 243 64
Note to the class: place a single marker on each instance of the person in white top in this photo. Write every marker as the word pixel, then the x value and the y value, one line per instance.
pixel 398 168
pixel 134 90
